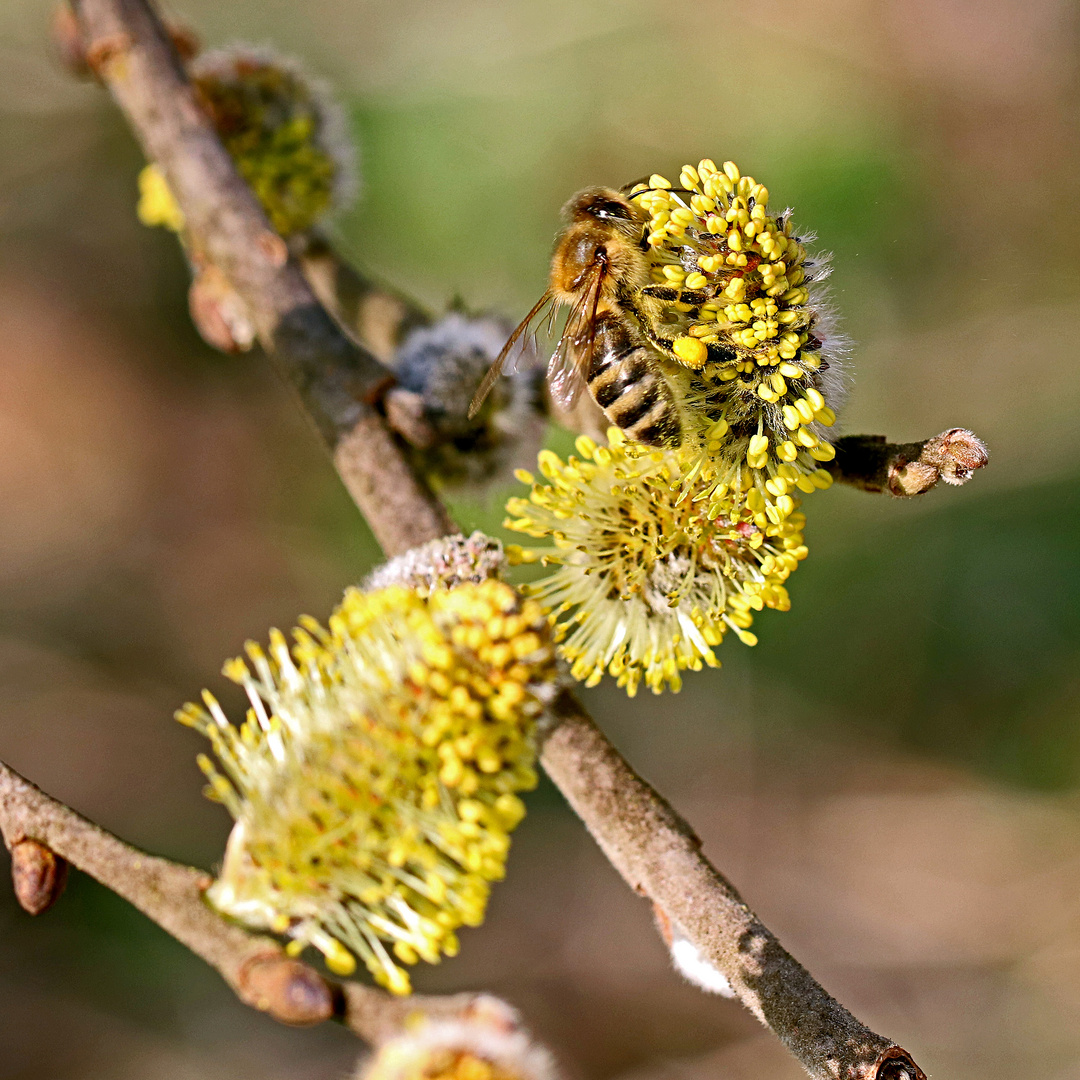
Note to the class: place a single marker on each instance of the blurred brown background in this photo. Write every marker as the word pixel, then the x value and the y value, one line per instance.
pixel 890 777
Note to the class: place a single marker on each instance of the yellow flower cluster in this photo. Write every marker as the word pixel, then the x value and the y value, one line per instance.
pixel 462 1049
pixel 651 572
pixel 284 134
pixel 402 1061
pixel 374 782
pixel 738 289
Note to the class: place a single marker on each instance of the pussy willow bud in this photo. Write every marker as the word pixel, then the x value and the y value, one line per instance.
pixel 439 367
pixel 441 564
pixel 374 782
pixel 651 573
pixel 460 1050
pixel 282 129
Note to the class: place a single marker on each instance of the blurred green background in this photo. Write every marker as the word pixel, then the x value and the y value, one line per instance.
pixel 890 776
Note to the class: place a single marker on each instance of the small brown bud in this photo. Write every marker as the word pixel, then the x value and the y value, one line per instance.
pixel 38 874
pixel 907 478
pixel 71 48
pixel 663 924
pixel 951 456
pixel 288 990
pixel 105 50
pixel 491 1012
pixel 956 453
pixel 218 312
pixel 405 414
pixel 274 248
pixel 185 41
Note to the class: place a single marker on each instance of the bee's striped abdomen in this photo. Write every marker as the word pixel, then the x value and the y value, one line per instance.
pixel 627 382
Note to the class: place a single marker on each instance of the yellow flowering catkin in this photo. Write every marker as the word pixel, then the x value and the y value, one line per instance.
pixel 460 1049
pixel 374 782
pixel 741 296
pixel 282 130
pixel 650 574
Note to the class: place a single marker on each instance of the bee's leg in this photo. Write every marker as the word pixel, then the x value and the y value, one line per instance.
pixel 720 354
pixel 680 296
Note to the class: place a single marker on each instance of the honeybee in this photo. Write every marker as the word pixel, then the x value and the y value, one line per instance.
pixel 600 270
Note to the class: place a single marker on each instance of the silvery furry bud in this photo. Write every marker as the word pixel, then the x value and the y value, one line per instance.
pixel 438 368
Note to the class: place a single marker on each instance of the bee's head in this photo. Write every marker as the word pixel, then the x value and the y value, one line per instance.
pixel 600 223
pixel 603 205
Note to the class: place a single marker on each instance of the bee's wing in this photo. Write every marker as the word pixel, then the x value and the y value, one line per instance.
pixel 495 370
pixel 573 354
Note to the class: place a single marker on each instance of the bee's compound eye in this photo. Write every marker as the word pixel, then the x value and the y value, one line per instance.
pixel 610 210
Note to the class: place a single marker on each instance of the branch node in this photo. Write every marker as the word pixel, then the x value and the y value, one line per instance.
pixel 38 874
pixel 290 991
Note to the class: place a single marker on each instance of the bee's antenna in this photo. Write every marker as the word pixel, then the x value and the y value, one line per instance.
pixel 674 190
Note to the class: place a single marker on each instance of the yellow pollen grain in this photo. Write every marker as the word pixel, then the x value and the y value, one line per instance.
pixel 691 351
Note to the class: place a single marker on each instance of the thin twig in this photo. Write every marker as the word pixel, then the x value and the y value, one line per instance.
pixel 650 845
pixel 167 892
pixel 375 317
pixel 870 463
pixel 255 967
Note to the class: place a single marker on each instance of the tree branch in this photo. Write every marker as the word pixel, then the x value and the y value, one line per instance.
pixel 337 382
pixel 649 844
pixel 253 965
pixel 375 317
pixel 659 856
pixel 870 463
